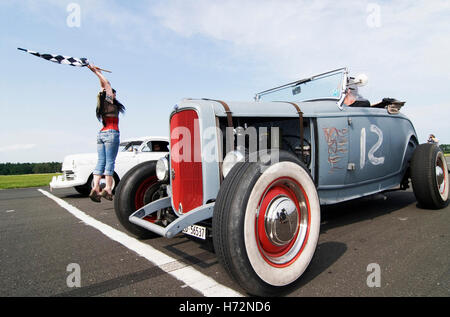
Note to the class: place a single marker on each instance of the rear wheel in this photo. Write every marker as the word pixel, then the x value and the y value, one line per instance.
pixel 136 189
pixel 85 189
pixel 103 183
pixel 429 176
pixel 266 224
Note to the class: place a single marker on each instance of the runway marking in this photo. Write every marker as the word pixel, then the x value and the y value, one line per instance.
pixel 187 274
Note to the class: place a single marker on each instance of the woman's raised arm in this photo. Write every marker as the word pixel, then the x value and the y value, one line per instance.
pixel 104 83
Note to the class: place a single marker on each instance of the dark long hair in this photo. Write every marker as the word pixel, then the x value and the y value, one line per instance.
pixel 101 105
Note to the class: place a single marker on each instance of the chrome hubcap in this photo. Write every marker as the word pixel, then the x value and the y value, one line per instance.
pixel 281 221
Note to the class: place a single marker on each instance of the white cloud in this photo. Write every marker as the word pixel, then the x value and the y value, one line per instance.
pixel 405 58
pixel 297 36
pixel 279 41
pixel 17 147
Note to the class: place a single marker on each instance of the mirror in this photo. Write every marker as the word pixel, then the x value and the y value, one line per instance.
pixel 361 80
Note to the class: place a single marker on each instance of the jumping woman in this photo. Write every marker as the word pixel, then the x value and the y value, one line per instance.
pixel 108 139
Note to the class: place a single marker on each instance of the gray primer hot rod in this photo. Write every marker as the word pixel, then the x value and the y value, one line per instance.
pixel 253 175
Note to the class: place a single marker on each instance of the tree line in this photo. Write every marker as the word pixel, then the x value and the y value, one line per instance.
pixel 445 148
pixel 55 167
pixel 29 168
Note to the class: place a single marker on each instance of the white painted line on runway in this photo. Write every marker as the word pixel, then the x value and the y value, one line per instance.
pixel 187 274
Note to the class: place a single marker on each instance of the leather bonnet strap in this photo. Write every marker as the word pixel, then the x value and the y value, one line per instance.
pixel 227 111
pixel 300 114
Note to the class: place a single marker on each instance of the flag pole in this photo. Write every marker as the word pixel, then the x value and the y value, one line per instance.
pixel 37 54
pixel 104 70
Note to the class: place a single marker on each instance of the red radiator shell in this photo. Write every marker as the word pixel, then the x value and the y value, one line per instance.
pixel 185 157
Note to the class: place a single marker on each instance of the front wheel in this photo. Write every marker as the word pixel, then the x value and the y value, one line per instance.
pixel 429 176
pixel 266 224
pixel 137 188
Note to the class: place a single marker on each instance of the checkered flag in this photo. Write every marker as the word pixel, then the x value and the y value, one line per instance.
pixel 72 61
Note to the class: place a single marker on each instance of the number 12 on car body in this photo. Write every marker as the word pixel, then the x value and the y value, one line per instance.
pixel 371 154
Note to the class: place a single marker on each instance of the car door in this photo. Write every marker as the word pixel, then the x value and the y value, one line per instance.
pixel 370 146
pixel 333 140
pixel 127 158
pixel 146 153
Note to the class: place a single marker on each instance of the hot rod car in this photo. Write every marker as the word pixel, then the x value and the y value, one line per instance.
pixel 253 175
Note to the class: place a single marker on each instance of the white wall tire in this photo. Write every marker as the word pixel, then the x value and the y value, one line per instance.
pixel 279 271
pixel 429 177
pixel 266 255
pixel 442 176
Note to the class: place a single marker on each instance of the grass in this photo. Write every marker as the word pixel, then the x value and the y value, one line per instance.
pixel 25 181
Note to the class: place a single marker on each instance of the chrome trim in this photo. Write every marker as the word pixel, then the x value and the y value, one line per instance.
pixel 151 208
pixel 344 90
pixel 259 94
pixel 194 216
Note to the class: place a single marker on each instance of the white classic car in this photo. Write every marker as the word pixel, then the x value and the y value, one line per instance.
pixel 77 168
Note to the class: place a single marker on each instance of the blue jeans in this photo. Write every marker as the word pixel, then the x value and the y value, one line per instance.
pixel 107 148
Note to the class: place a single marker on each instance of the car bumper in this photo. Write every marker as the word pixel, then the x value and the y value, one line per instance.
pixel 60 182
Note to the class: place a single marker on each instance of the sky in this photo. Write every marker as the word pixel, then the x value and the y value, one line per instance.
pixel 161 51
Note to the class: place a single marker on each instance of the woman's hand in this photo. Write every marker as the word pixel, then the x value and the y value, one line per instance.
pixel 94 68
pixel 104 83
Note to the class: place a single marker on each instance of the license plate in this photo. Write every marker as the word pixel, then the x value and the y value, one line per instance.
pixel 196 231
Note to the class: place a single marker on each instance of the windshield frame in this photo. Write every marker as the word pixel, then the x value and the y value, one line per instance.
pixel 340 98
pixel 135 145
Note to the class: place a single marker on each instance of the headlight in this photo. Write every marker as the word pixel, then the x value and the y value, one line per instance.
pixel 230 160
pixel 162 169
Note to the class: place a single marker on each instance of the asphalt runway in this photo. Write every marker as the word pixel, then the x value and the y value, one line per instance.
pixel 40 238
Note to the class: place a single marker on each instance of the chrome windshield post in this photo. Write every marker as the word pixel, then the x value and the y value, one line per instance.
pixel 344 90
